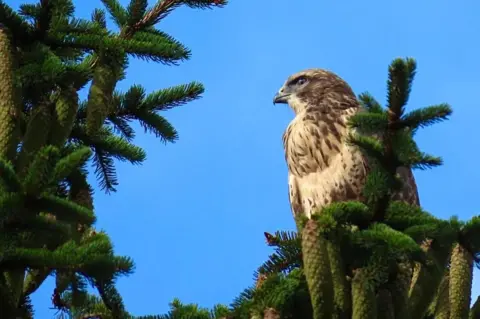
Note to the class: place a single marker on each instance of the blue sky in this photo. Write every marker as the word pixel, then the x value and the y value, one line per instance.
pixel 192 217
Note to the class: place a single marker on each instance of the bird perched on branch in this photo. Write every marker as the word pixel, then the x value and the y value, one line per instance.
pixel 322 167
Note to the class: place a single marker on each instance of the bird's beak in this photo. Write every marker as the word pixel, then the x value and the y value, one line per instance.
pixel 281 98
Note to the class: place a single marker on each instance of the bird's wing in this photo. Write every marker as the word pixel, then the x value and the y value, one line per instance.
pixel 294 196
pixel 409 191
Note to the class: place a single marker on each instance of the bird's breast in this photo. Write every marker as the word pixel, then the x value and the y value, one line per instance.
pixel 322 167
pixel 342 180
pixel 312 146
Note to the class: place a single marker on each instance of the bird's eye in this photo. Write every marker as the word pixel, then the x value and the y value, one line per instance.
pixel 299 81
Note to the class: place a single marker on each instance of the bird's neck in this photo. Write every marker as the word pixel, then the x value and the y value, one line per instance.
pixel 338 116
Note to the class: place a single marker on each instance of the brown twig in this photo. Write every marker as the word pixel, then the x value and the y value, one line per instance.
pixel 157 13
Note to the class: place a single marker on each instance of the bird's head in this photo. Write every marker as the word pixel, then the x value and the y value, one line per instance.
pixel 315 88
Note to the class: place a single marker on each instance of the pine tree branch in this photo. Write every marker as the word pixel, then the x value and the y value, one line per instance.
pixel 135 11
pixel 158 125
pixel 21 30
pixel 400 77
pixel 370 103
pixel 426 116
pixel 159 11
pixel 98 17
pixel 34 278
pixel 8 177
pixel 70 163
pixel 117 12
pixel 175 96
pixel 38 173
pixel 111 298
pixel 63 209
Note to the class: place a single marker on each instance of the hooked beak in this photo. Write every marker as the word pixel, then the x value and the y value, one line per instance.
pixel 281 98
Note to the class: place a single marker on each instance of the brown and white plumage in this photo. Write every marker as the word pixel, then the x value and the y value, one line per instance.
pixel 322 167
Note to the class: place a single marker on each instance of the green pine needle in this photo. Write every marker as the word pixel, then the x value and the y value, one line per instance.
pixel 133 98
pixel 343 213
pixel 425 161
pixel 401 215
pixel 370 103
pixel 135 11
pixel 105 171
pixel 426 116
pixel 121 149
pixel 117 12
pixel 121 126
pixel 21 30
pixel 401 73
pixel 370 145
pixel 9 205
pixel 98 17
pixel 175 96
pixel 287 255
pixel 8 178
pixel 369 123
pixel 380 236
pixel 111 298
pixel 39 172
pixel 70 163
pixel 63 209
pixel 158 125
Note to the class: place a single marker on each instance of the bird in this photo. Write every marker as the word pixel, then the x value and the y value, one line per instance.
pixel 322 166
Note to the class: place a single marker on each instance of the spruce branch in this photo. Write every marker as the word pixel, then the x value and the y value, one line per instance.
pixel 370 103
pixel 135 11
pixel 426 116
pixel 105 171
pixel 163 7
pixel 33 280
pixel 424 161
pixel 153 35
pixel 8 177
pixel 175 96
pixel 380 236
pixel 21 30
pixel 370 145
pixel 120 125
pixel 158 125
pixel 106 147
pixel 10 204
pixel 38 174
pixel 159 11
pixel 369 123
pixel 344 213
pixel 70 163
pixel 400 216
pixel 111 298
pixel 287 255
pixel 98 17
pixel 401 73
pixel 118 13
pixel 64 210
pixel 475 310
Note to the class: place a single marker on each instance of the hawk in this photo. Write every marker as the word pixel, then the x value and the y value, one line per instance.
pixel 322 167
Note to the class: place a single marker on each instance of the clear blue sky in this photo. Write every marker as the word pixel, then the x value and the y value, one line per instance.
pixel 193 215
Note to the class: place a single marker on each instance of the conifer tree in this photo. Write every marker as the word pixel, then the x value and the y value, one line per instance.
pixel 48 136
pixel 394 260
